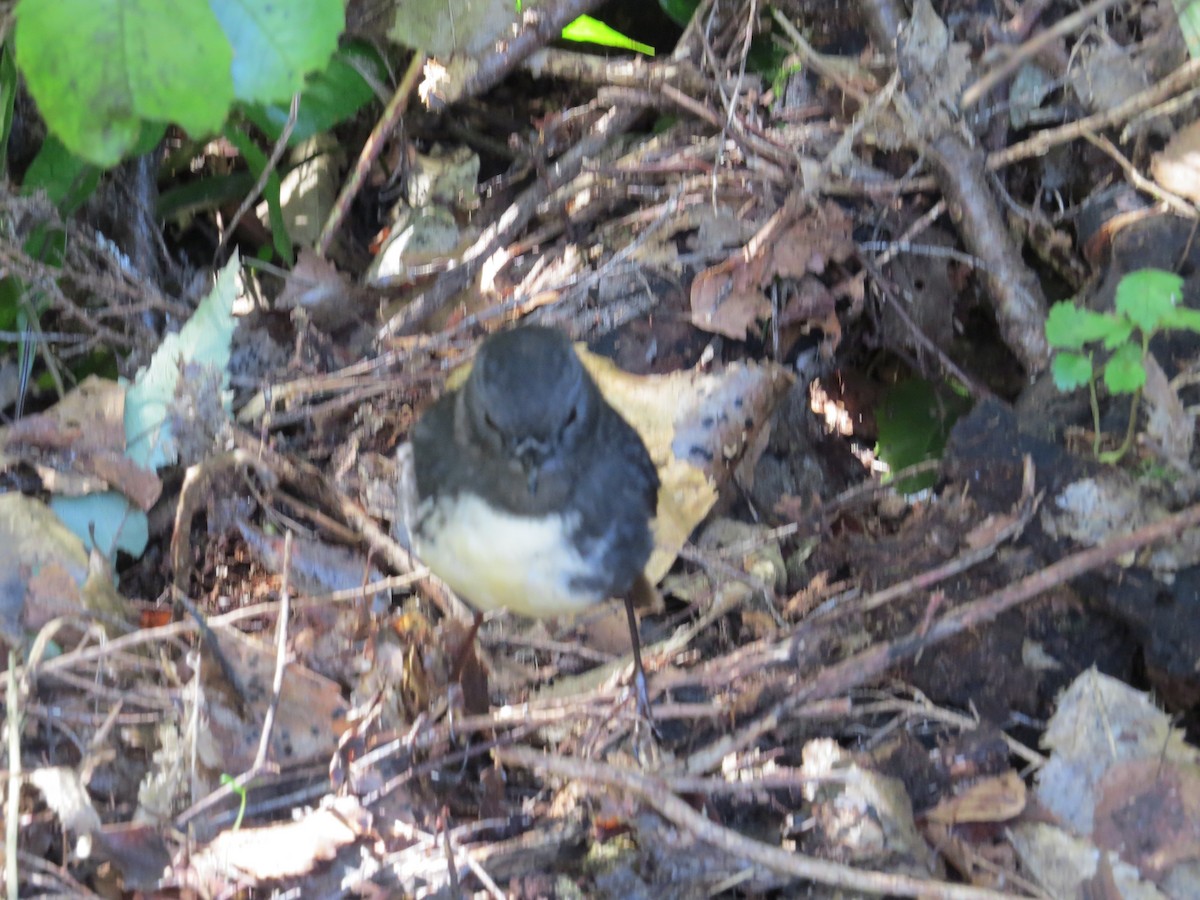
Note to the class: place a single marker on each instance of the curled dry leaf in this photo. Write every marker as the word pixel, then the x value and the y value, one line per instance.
pixel 697 427
pixel 77 446
pixel 315 285
pixel 1121 789
pixel 1148 811
pixel 1170 426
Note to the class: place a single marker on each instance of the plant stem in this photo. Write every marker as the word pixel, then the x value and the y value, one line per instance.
pixel 1130 429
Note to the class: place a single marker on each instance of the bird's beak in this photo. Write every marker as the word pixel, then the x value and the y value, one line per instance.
pixel 531 455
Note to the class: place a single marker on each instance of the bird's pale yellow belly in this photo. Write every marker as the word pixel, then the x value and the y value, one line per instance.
pixel 495 560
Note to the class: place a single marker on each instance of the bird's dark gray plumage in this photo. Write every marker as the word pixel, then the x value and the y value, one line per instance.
pixel 533 493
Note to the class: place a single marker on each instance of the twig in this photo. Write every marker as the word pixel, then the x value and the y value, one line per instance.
pixel 373 146
pixel 1043 141
pixel 12 811
pixel 1018 518
pixel 840 677
pixel 477 869
pixel 1158 192
pixel 1031 48
pixel 835 68
pixel 281 657
pixel 610 126
pixel 540 25
pixel 1016 294
pixel 789 863
pixel 263 177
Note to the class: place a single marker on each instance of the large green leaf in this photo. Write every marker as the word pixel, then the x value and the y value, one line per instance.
pixel 914 418
pixel 99 68
pixel 330 96
pixel 67 180
pixel 276 44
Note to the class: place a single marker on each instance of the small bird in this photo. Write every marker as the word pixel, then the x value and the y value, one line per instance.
pixel 532 493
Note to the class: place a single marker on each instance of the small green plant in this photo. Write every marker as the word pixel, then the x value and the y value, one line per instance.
pixel 240 791
pixel 1147 302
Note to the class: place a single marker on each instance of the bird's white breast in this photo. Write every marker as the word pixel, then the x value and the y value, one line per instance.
pixel 494 559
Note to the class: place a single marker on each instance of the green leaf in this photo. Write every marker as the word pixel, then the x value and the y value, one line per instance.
pixel 1069 326
pixel 276 44
pixel 587 30
pixel 8 96
pixel 1071 371
pixel 11 291
pixel 1183 318
pixel 679 11
pixel 1121 333
pixel 1147 296
pixel 257 161
pixel 204 339
pixel 67 179
pixel 1188 12
pixel 198 196
pixel 98 68
pixel 914 419
pixel 331 96
pixel 1124 372
pixel 444 27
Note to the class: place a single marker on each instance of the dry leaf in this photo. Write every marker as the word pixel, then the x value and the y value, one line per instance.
pixel 288 849
pixel 309 704
pixel 696 426
pixel 316 286
pixel 730 298
pixel 1170 428
pixel 1177 166
pixel 996 799
pixel 1148 811
pixel 77 446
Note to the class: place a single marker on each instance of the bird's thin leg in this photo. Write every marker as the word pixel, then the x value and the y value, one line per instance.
pixel 639 673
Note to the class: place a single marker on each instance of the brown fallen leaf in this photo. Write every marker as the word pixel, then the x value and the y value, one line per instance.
pixel 309 705
pixel 315 285
pixel 995 799
pixel 77 446
pixel 730 298
pixel 284 850
pixel 1148 811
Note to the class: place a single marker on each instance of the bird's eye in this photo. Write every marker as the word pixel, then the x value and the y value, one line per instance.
pixel 490 422
pixel 572 416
